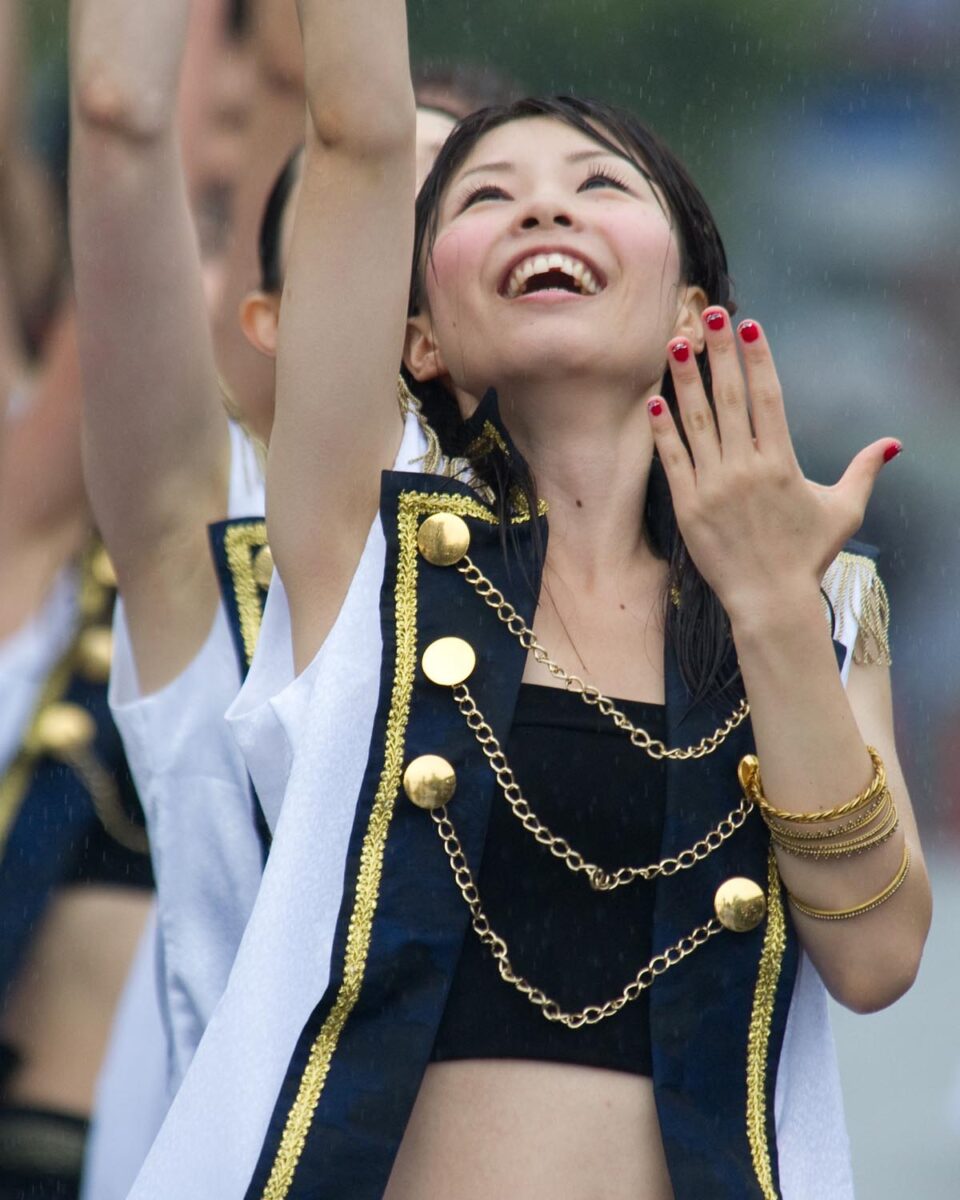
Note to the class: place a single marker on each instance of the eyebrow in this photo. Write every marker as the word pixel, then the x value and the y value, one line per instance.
pixel 576 157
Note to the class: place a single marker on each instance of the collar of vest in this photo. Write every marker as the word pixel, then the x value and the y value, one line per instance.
pixel 717 1018
pixel 244 567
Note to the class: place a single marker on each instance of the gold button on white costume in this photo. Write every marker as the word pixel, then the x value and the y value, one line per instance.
pixel 449 661
pixel 102 569
pixel 95 653
pixel 740 904
pixel 63 729
pixel 430 781
pixel 443 539
pixel 263 567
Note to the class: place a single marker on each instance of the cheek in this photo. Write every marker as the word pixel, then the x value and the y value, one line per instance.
pixel 454 273
pixel 650 248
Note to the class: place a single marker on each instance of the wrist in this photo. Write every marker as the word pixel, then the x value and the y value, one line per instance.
pixel 794 609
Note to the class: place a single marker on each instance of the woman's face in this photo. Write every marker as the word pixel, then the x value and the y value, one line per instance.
pixel 553 257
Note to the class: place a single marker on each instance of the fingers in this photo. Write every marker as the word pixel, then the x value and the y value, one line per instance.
pixel 729 389
pixel 698 422
pixel 766 396
pixel 673 453
pixel 857 483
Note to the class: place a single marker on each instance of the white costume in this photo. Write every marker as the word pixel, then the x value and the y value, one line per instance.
pixel 207 862
pixel 306 743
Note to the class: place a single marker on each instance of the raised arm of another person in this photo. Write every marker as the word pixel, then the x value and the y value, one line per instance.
pixel 13 354
pixel 156 439
pixel 344 310
pixel 276 129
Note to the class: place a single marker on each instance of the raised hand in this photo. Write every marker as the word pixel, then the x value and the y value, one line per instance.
pixel 755 526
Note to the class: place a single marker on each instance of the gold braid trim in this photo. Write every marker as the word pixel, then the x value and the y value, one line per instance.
pixel 858 594
pixel 433 457
pixel 95 589
pixel 413 506
pixel 758 1040
pixel 241 542
pixel 16 781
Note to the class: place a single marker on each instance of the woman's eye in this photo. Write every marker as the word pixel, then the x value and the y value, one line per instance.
pixel 601 179
pixel 485 192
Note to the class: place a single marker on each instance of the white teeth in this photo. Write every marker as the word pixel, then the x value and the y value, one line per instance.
pixel 540 264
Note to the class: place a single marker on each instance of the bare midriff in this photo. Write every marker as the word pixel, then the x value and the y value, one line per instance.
pixel 485 1129
pixel 62 1006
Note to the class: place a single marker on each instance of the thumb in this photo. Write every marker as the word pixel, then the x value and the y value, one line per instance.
pixel 857 482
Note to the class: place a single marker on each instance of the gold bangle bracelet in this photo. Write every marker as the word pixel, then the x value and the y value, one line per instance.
pixel 845 848
pixel 844 914
pixel 749 774
pixel 858 821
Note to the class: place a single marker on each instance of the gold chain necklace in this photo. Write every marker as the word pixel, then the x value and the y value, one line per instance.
pixel 436 794
pixel 551 1009
pixel 656 749
pixel 600 880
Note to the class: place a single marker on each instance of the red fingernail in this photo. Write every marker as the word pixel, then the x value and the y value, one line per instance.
pixel 655 406
pixel 680 351
pixel 716 321
pixel 749 331
pixel 892 451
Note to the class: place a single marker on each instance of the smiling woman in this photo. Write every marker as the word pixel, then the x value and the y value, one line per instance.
pixel 526 924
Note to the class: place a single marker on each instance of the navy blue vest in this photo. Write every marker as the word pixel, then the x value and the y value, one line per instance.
pixel 46 807
pixel 717 1018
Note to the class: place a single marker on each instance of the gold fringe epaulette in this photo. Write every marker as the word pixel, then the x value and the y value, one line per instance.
pixel 858 594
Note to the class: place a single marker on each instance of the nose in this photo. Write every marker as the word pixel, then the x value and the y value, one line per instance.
pixel 542 213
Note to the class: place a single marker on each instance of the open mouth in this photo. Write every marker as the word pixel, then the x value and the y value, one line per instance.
pixel 551 273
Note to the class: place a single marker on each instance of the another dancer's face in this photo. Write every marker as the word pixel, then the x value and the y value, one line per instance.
pixel 531 189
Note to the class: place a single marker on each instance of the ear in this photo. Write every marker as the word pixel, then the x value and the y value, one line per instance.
pixel 693 300
pixel 259 320
pixel 421 354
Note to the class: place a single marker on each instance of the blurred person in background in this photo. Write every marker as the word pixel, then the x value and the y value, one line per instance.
pixel 75 880
pixel 166 462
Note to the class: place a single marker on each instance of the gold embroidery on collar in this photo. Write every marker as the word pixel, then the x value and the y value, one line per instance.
pixel 413 507
pixel 95 593
pixel 16 781
pixel 241 542
pixel 758 1040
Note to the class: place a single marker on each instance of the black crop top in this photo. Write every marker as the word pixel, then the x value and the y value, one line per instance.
pixel 587 783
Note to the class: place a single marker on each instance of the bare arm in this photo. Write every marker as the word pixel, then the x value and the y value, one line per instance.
pixel 13 355
pixel 344 310
pixel 763 535
pixel 156 439
pixel 276 130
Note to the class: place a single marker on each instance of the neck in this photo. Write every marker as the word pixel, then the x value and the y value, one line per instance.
pixel 590 451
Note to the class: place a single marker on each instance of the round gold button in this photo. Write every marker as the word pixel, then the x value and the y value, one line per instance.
pixel 443 539
pixel 95 653
pixel 263 567
pixel 102 569
pixel 740 904
pixel 449 661
pixel 430 781
pixel 62 729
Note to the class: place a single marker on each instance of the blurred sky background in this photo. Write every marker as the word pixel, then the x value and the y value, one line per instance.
pixel 825 134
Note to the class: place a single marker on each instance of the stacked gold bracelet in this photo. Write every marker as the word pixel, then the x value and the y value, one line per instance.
pixel 869 820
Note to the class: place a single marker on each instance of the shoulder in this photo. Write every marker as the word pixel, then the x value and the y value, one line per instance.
pixel 859 605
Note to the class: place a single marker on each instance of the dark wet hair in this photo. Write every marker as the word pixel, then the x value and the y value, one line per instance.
pixel 270 241
pixel 696 625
